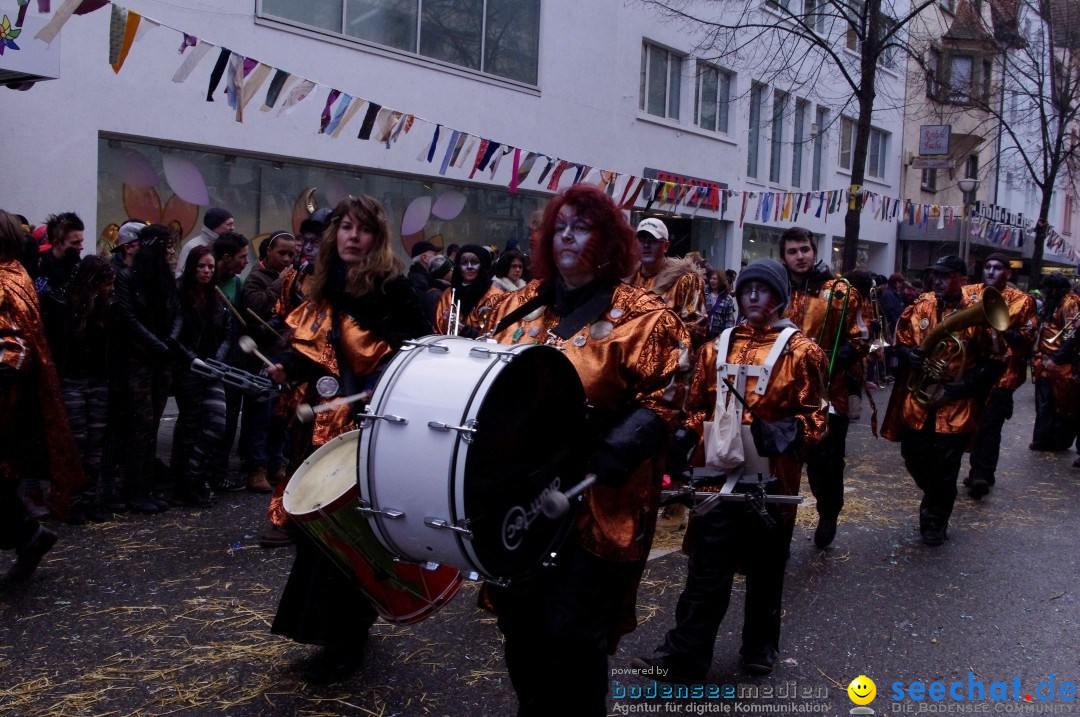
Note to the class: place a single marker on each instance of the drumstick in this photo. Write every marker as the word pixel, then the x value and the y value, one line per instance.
pixel 230 305
pixel 248 346
pixel 306 413
pixel 268 326
pixel 557 503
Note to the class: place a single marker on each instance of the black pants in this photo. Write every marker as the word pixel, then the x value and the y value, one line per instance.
pixel 558 629
pixel 1053 432
pixel 825 468
pixel 17 527
pixel 727 538
pixel 146 396
pixel 197 438
pixel 987 446
pixel 933 460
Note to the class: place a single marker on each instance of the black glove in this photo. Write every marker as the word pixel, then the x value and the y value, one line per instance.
pixel 626 446
pixel 955 390
pixel 1014 338
pixel 846 355
pixel 683 444
pixel 775 437
pixel 913 356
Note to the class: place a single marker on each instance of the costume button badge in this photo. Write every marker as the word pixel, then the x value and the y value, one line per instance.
pixel 579 340
pixel 616 313
pixel 923 323
pixel 601 329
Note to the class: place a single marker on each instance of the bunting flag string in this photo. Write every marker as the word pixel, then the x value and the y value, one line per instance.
pixel 470 152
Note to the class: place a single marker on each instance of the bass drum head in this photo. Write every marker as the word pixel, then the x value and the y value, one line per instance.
pixel 529 428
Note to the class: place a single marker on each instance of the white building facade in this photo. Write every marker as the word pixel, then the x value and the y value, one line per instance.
pixel 526 96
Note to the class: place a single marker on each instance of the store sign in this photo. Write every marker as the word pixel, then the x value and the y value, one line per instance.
pixel 934 139
pixel 709 201
pixel 1063 270
pixel 931 163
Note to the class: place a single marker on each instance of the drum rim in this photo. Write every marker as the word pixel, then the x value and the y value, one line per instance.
pixel 320 510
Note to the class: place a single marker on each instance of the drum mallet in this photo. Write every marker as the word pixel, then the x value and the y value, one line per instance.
pixel 306 413
pixel 248 346
pixel 556 503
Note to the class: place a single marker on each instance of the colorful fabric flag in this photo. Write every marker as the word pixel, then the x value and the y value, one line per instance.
pixel 218 72
pixel 193 59
pixel 296 95
pixel 343 105
pixel 48 33
pixel 277 85
pixel 369 121
pixel 123 26
pixel 351 111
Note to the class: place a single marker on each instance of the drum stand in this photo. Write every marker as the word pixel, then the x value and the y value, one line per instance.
pixel 736 488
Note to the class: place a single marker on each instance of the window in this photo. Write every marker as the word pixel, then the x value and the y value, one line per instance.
pixel 987 76
pixel 876 149
pixel 821 121
pixel 757 93
pixel 971 167
pixel 799 138
pixel 933 68
pixel 1066 219
pixel 783 5
pixel 661 81
pixel 778 109
pixel 815 13
pixel 948 6
pixel 496 37
pixel 960 67
pixel 929 180
pixel 712 98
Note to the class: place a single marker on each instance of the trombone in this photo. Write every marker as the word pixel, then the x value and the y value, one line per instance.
pixel 877 324
pixel 834 295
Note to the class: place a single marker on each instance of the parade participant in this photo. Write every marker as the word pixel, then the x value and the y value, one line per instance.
pixel 261 453
pixel 815 295
pixel 34 435
pixel 1056 393
pixel 1014 346
pixel 625 345
pixel 934 430
pixel 57 266
pixel 78 334
pixel 146 306
pixel 203 330
pixel 678 282
pixel 470 286
pixel 733 536
pixel 359 311
pixel 216 221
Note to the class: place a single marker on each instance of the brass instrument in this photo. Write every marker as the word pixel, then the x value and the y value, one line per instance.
pixel 943 347
pixel 1053 343
pixel 453 322
pixel 834 295
pixel 877 324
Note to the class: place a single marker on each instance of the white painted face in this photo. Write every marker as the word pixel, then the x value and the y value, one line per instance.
pixel 758 304
pixel 996 274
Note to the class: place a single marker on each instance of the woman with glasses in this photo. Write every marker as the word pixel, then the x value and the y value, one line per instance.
pixel 625 344
pixel 470 286
pixel 510 271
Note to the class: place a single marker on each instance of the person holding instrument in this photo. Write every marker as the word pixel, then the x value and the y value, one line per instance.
pixel 944 342
pixel 1056 393
pixel 470 286
pixel 359 310
pixel 624 343
pixel 828 311
pixel 785 396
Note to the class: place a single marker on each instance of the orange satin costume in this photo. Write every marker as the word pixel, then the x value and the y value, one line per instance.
pixel 807 311
pixel 1022 318
pixel 796 389
pixel 626 360
pixel 954 415
pixel 1066 390
pixel 33 420
pixel 686 297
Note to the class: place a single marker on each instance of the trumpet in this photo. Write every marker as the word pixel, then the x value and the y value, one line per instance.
pixel 944 347
pixel 830 309
pixel 453 323
pixel 1051 344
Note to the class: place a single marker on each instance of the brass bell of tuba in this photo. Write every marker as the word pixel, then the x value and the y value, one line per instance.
pixel 943 346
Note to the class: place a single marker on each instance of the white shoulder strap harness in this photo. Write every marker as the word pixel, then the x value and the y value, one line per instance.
pixel 738 373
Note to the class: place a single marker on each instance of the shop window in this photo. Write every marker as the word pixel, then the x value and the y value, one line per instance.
pixel 660 87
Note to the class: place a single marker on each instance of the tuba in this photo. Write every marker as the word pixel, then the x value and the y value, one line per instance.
pixel 943 346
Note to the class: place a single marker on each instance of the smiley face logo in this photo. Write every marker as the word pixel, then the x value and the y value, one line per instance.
pixel 862 690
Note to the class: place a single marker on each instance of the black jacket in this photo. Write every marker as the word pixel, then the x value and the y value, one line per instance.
pixel 193 337
pixel 144 316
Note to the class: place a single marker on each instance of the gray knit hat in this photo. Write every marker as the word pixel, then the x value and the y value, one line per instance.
pixel 769 272
pixel 215 217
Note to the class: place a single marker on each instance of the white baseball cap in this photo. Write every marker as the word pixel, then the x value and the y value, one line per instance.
pixel 655 227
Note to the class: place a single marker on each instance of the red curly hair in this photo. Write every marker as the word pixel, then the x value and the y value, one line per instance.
pixel 613 249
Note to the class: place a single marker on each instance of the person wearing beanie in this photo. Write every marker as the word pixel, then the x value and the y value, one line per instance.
pixel 1014 347
pixel 470 286
pixel 422 253
pixel 216 221
pixel 1056 394
pixel 783 422
pixel 815 296
pixel 679 282
pixel 934 422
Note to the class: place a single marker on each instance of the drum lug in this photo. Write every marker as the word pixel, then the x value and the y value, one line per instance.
pixel 507 356
pixel 365 508
pixel 367 416
pixel 442 524
pixel 466 431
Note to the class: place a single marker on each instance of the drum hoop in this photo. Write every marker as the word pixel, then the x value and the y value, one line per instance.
pixel 315 512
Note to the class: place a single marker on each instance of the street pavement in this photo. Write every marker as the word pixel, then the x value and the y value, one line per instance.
pixel 170 614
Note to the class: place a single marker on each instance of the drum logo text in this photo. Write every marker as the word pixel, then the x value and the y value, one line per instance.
pixel 518 519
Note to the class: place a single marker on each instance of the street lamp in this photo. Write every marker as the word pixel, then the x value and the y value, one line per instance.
pixel 967 185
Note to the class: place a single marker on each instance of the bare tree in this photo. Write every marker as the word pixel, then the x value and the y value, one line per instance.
pixel 806 41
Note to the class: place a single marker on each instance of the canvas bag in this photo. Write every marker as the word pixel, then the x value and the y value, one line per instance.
pixel 726 440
